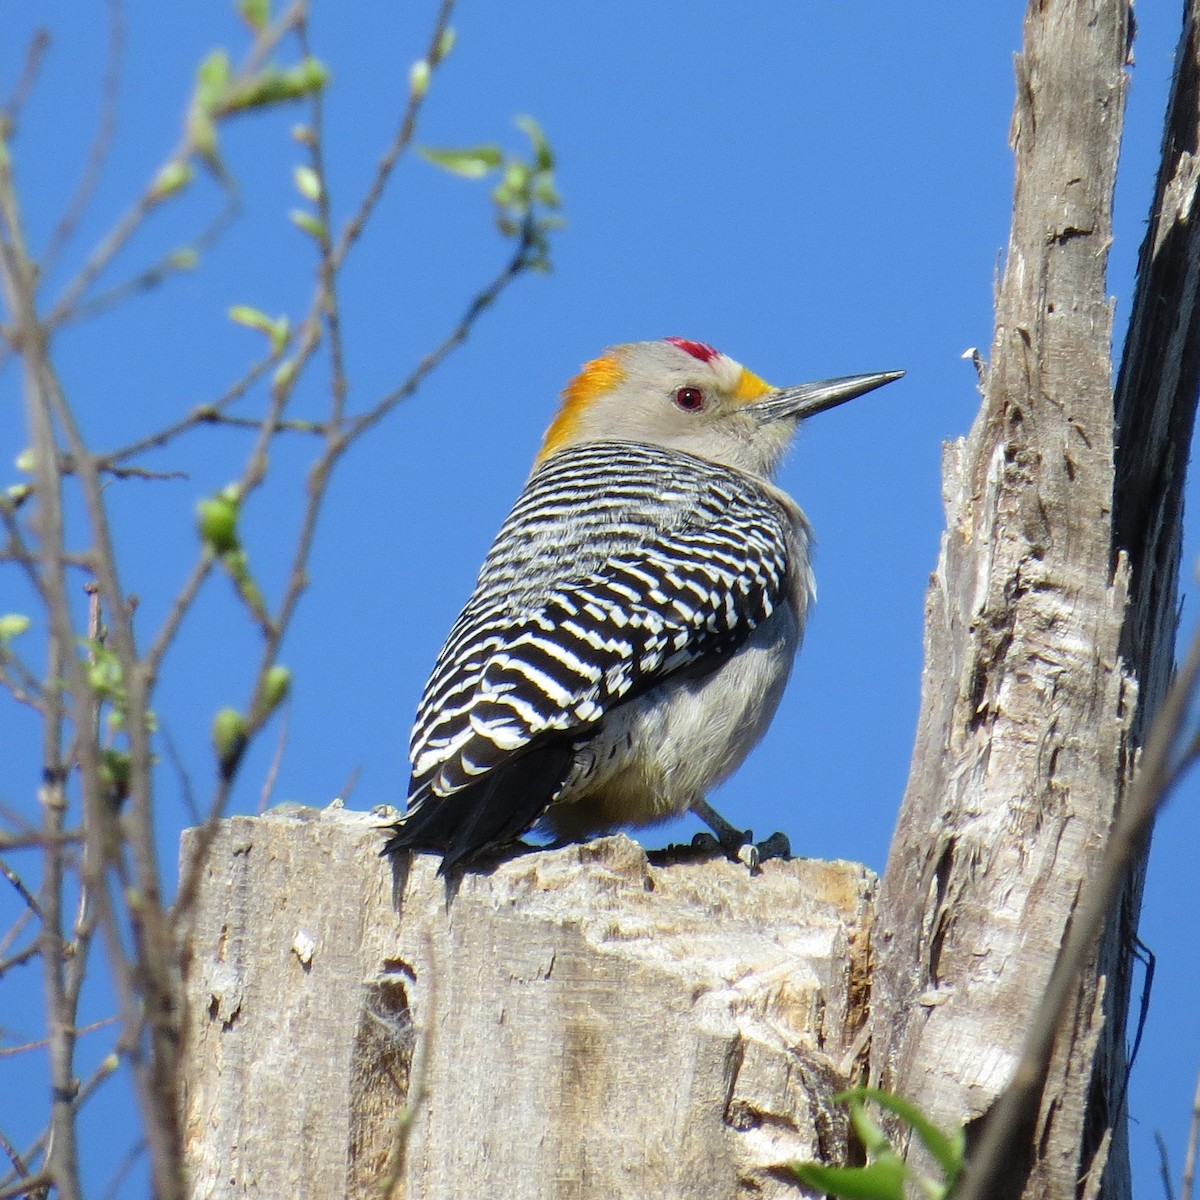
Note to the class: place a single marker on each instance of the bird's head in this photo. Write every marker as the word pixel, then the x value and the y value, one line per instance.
pixel 687 396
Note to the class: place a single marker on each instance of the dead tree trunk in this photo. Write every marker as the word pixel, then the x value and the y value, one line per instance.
pixel 577 1023
pixel 1040 683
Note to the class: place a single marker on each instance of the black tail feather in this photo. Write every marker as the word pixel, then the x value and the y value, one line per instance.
pixel 499 808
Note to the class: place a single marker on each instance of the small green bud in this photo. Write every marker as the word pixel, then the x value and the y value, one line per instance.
pixel 308 183
pixel 276 686
pixel 229 739
pixel 174 177
pixel 217 519
pixel 419 75
pixel 445 44
pixel 114 771
pixel 27 461
pixel 183 259
pixel 284 374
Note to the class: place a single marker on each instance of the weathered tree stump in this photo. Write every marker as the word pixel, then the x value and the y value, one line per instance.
pixel 574 1023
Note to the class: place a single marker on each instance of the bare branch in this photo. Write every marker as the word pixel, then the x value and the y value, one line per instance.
pixel 482 301
pixel 203 414
pixel 175 262
pixel 10 1051
pixel 1188 1181
pixel 101 146
pixel 36 51
pixel 22 891
pixel 403 139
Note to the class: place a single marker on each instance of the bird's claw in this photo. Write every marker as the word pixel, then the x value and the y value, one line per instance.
pixel 749 857
pixel 776 846
pixel 744 849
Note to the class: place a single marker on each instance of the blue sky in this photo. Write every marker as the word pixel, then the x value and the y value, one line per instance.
pixel 815 189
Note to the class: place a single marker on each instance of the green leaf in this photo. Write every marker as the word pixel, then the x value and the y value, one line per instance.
pixel 471 163
pixel 278 329
pixel 947 1148
pixel 256 13
pixel 882 1180
pixel 212 80
pixel 308 183
pixel 545 192
pixel 310 224
pixel 541 147
pixel 874 1140
pixel 276 85
pixel 12 625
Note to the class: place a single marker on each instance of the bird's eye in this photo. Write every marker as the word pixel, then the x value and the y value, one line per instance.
pixel 690 399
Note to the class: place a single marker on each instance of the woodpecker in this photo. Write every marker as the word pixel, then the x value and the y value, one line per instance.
pixel 636 620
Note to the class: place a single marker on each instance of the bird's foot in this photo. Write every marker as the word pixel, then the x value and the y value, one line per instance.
pixel 742 847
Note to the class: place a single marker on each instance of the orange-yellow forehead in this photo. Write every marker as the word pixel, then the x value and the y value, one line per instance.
pixel 597 377
pixel 750 387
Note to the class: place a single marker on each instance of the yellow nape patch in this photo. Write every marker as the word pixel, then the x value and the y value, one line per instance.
pixel 597 377
pixel 750 387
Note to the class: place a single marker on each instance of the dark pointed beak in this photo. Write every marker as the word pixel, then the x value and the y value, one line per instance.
pixel 808 399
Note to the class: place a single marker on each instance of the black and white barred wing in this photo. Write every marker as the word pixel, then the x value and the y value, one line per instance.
pixel 577 612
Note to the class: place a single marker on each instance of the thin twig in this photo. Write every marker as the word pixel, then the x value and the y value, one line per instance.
pixel 175 262
pixel 20 681
pixel 328 270
pixel 276 762
pixel 1164 1166
pixel 28 1185
pixel 400 143
pixel 482 301
pixel 23 918
pixel 19 277
pixel 14 1155
pixel 40 839
pixel 185 779
pixel 1188 1181
pixel 42 1043
pixel 203 414
pixel 121 1173
pixel 22 891
pixel 20 958
pixel 35 52
pixel 98 152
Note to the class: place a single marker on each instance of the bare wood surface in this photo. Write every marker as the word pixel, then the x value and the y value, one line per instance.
pixel 1021 745
pixel 590 1025
pixel 1155 414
